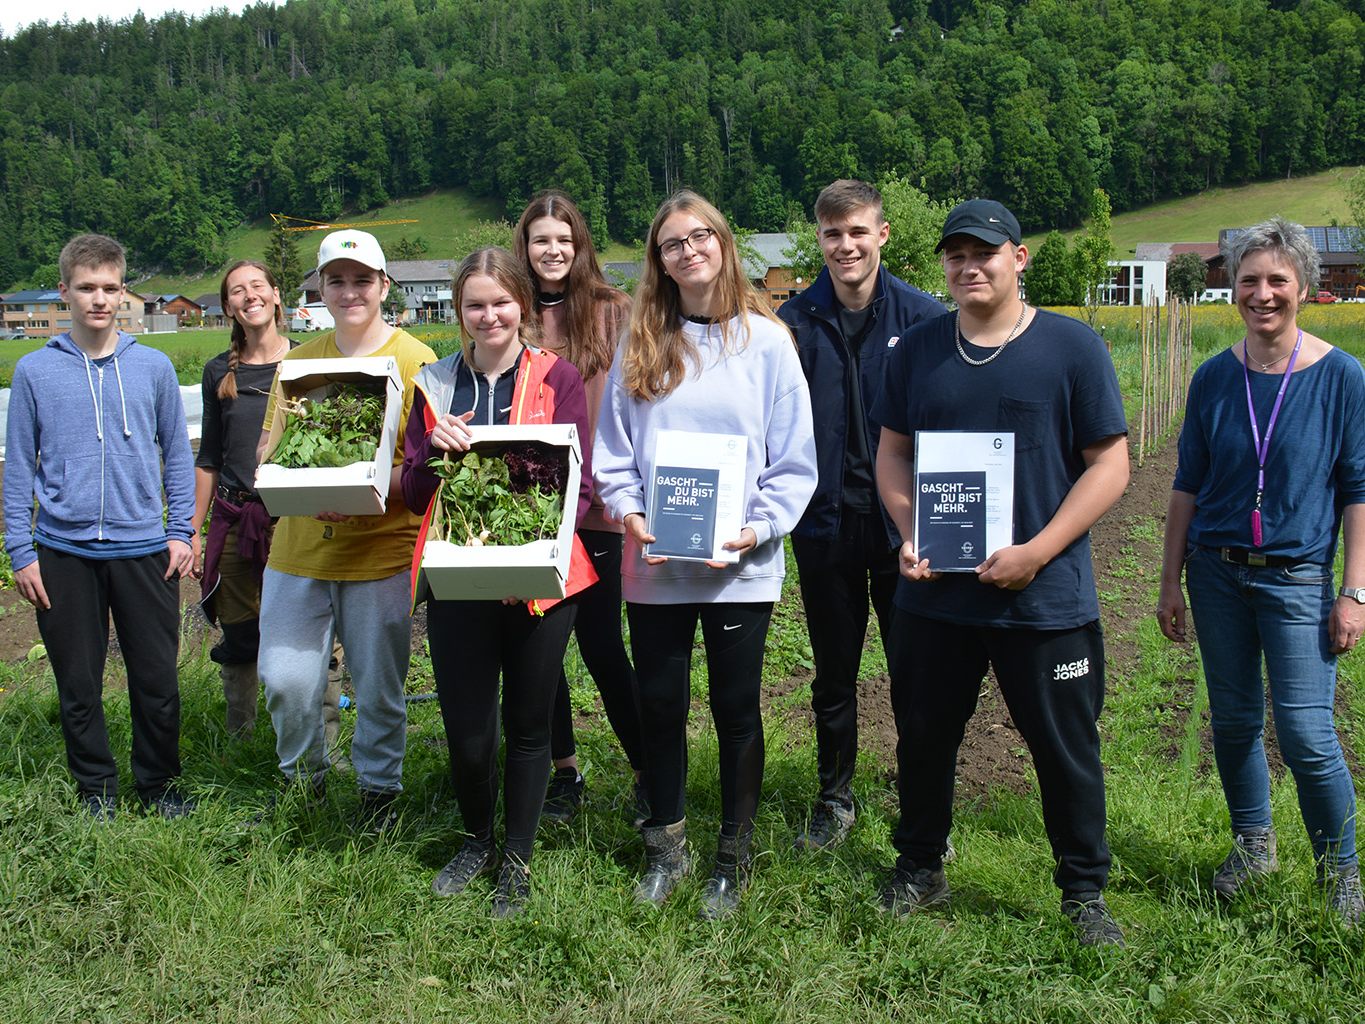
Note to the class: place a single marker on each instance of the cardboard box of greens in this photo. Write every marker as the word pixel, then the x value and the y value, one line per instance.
pixel 360 489
pixel 539 569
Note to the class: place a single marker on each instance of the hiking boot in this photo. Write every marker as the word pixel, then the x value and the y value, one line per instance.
pixel 102 809
pixel 720 895
pixel 830 823
pixel 1344 892
pixel 1252 855
pixel 514 887
pixel 909 890
pixel 641 812
pixel 564 796
pixel 376 812
pixel 667 861
pixel 171 804
pixel 1094 924
pixel 474 859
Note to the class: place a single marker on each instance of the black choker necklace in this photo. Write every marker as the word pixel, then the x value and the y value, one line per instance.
pixel 550 298
pixel 705 321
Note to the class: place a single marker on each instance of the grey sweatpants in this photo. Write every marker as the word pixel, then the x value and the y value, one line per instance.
pixel 299 617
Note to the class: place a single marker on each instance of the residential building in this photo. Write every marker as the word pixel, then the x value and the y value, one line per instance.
pixel 41 313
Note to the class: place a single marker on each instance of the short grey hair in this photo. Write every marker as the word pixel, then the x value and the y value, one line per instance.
pixel 1280 236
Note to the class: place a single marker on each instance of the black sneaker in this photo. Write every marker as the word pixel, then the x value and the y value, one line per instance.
pixel 830 824
pixel 564 796
pixel 907 891
pixel 102 809
pixel 514 887
pixel 1252 855
pixel 375 813
pixel 1094 924
pixel 474 859
pixel 171 804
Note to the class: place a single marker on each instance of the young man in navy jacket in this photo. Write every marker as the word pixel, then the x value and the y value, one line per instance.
pixel 846 324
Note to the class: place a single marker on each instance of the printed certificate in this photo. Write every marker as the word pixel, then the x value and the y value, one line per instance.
pixel 964 497
pixel 695 495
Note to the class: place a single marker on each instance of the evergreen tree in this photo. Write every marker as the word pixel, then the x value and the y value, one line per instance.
pixel 1051 279
pixel 283 259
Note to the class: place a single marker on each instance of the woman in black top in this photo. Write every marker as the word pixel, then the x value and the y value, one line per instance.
pixel 236 387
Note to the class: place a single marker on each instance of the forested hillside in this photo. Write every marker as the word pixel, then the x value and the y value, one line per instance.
pixel 168 132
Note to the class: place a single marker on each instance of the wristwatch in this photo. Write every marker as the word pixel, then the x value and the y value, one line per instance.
pixel 1356 594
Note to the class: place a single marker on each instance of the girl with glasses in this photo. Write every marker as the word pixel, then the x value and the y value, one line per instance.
pixel 704 354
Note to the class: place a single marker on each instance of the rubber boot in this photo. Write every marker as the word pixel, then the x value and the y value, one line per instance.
pixel 667 861
pixel 240 687
pixel 720 895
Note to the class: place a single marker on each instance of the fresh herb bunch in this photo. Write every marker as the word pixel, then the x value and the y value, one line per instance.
pixel 513 499
pixel 338 430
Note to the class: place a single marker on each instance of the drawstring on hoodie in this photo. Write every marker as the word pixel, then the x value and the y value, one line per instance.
pixel 95 399
pixel 122 402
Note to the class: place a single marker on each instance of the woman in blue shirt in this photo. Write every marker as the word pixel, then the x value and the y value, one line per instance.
pixel 1272 462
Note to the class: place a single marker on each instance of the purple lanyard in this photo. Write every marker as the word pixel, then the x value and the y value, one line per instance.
pixel 1263 447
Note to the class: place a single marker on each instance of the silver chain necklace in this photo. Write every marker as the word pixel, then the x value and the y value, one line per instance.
pixel 1265 367
pixel 957 338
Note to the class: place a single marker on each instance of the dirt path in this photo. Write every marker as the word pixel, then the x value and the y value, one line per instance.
pixel 993 752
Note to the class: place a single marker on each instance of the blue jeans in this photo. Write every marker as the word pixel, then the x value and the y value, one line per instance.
pixel 1243 614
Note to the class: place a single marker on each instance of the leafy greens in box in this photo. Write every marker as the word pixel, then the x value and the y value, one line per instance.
pixel 511 497
pixel 341 429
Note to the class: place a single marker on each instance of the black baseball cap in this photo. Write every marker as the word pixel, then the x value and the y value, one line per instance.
pixel 981 218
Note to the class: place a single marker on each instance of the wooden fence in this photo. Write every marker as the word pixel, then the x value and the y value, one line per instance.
pixel 1167 354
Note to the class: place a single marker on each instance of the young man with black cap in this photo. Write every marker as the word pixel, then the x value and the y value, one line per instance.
pixel 1029 610
pixel 846 325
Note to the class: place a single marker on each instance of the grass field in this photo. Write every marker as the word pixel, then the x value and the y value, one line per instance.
pixel 1316 199
pixel 208 919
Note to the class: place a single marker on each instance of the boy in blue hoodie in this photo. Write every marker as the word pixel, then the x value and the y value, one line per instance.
pixel 96 434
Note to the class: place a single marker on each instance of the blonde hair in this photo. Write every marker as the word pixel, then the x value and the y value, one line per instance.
pixel 91 252
pixel 510 273
pixel 657 351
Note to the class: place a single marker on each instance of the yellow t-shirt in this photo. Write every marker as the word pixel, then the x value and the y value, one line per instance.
pixel 362 547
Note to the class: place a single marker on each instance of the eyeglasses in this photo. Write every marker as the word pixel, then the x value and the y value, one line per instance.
pixel 697 240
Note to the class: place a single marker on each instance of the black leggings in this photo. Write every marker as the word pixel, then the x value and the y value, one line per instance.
pixel 661 637
pixel 603 649
pixel 472 643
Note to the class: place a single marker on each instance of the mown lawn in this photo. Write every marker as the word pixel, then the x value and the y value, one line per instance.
pixel 1311 199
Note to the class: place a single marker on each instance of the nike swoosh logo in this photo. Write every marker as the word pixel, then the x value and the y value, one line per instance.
pixel 599 554
pixel 735 626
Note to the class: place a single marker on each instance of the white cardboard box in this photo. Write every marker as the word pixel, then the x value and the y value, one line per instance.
pixel 535 570
pixel 360 489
